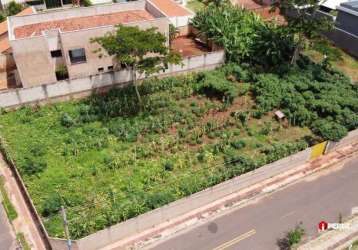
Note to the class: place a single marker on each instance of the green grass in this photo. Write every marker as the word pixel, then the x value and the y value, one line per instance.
pixel 9 208
pixel 339 59
pixel 21 239
pixel 355 246
pixel 106 162
pixel 195 5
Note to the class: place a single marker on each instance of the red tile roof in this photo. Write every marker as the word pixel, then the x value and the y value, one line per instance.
pixel 79 23
pixel 4 41
pixel 170 8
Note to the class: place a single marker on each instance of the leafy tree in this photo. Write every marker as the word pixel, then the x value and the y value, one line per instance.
pixel 13 8
pixel 173 33
pixel 245 36
pixel 302 21
pixel 132 46
pixel 2 17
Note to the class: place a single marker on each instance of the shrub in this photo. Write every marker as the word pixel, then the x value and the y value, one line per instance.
pixel 33 166
pixel 52 205
pixel 214 85
pixel 168 166
pixel 240 73
pixel 13 8
pixel 67 120
pixel 238 144
pixel 329 130
pixel 308 93
pixel 61 72
pixel 292 238
pixel 86 3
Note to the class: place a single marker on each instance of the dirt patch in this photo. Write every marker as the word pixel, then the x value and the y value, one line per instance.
pixel 187 46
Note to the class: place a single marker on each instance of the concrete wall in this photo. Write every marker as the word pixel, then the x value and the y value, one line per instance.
pixel 345 40
pixel 33 60
pixel 347 21
pixel 80 87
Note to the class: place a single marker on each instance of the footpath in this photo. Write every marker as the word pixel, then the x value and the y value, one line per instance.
pixel 24 222
pixel 239 198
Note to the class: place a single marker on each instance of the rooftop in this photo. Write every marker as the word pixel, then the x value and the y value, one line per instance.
pixel 351 5
pixel 78 23
pixel 4 40
pixel 170 8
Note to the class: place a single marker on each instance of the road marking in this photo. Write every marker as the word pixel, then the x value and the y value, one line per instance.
pixel 236 240
pixel 288 214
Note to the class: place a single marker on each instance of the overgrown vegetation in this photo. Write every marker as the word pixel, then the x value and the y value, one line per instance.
pixel 311 95
pixel 245 36
pixel 107 161
pixel 22 241
pixel 9 208
pixel 11 9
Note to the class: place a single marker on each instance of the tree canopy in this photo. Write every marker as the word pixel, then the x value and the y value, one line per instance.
pixel 145 51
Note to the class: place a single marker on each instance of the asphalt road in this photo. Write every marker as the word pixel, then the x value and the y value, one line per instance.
pixel 259 225
pixel 6 238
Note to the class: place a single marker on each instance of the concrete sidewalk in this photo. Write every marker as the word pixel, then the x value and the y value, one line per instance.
pixel 7 237
pixel 24 222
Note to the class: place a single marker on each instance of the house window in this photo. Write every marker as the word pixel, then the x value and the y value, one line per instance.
pixel 56 53
pixel 110 68
pixel 100 69
pixel 77 56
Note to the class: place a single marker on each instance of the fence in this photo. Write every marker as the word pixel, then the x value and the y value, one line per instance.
pixel 85 86
pixel 183 206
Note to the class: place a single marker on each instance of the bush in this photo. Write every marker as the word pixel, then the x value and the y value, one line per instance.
pixel 239 72
pixel 308 94
pixel 52 205
pixel 67 120
pixel 292 238
pixel 329 130
pixel 86 3
pixel 33 165
pixel 214 85
pixel 13 8
pixel 168 166
pixel 238 144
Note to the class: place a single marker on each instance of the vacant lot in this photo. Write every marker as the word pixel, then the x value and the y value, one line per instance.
pixel 106 161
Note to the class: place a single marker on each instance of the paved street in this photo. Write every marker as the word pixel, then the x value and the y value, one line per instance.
pixel 6 239
pixel 259 225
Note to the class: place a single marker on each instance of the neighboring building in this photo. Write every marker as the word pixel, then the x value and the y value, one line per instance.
pixel 4 37
pixel 44 42
pixel 7 64
pixel 347 17
pixel 345 32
